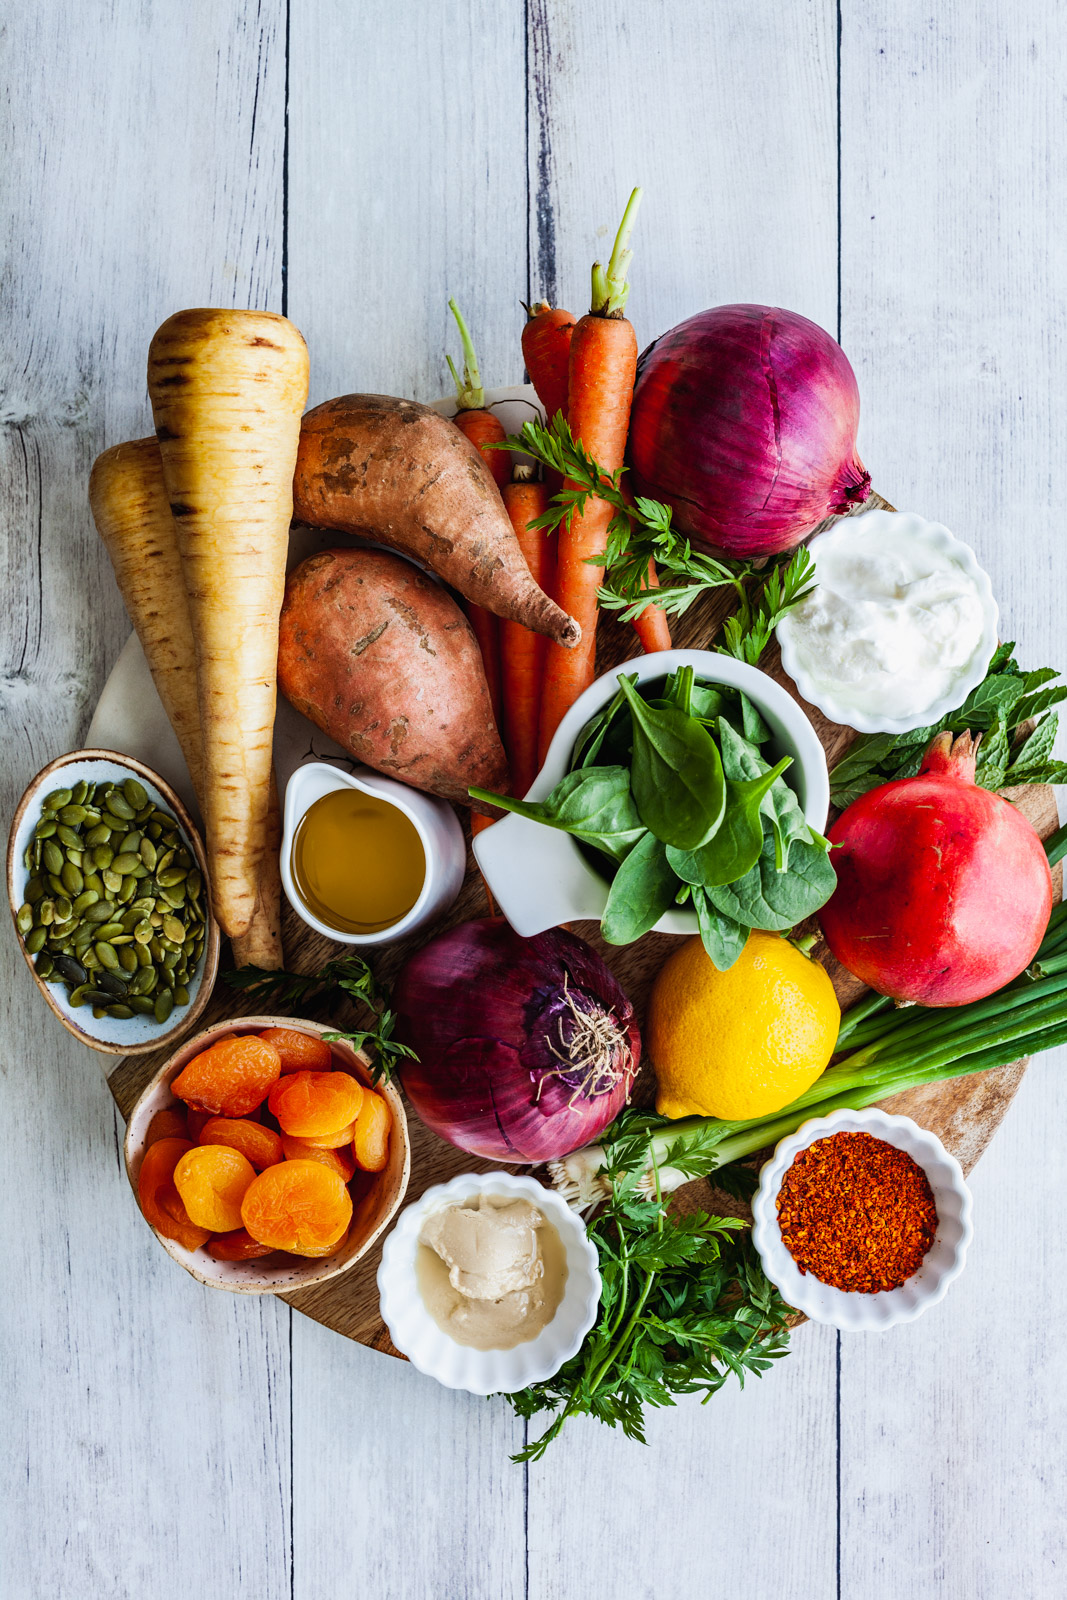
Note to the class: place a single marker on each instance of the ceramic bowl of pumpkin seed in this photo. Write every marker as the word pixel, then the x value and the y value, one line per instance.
pixel 107 882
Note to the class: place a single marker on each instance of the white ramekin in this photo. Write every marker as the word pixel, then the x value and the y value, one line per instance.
pixel 885 525
pixel 539 876
pixel 457 1366
pixel 850 1310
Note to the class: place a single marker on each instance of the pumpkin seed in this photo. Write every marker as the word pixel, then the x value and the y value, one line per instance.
pixel 143 981
pixel 148 853
pixel 174 930
pixel 34 890
pixel 174 897
pixel 125 863
pixel 181 995
pixel 128 890
pixel 108 930
pixel 45 913
pixel 98 835
pixel 57 800
pixel 24 920
pixel 35 939
pixel 105 955
pixel 139 1004
pixel 73 815
pixel 164 1005
pixel 135 793
pixel 194 883
pixel 128 958
pixel 93 880
pixel 99 1011
pixel 99 910
pixel 117 803
pixel 103 856
pixel 67 837
pixel 119 1011
pixel 55 883
pixel 76 997
pixel 43 964
pixel 112 881
pixel 113 985
pixel 52 856
pixel 80 792
pixel 76 859
pixel 156 947
pixel 71 878
pixel 45 829
pixel 143 954
pixel 143 932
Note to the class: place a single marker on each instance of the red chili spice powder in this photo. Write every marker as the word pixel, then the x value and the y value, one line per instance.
pixel 857 1213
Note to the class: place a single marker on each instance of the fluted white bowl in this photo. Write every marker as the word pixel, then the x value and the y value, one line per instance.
pixel 457 1366
pixel 943 1263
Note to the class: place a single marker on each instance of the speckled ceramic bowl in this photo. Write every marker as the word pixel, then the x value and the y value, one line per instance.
pixel 943 1263
pixel 276 1274
pixel 457 1366
pixel 115 1036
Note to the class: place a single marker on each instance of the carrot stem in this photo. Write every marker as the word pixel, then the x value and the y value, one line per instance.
pixel 611 289
pixel 469 391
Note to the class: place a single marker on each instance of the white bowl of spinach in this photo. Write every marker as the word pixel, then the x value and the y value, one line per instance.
pixel 683 792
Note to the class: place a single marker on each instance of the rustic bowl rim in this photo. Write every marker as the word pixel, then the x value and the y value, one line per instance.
pixel 305 1276
pixel 212 941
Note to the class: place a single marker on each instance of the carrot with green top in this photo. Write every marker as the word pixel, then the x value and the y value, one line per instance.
pixel 479 425
pixel 546 348
pixel 601 373
pixel 522 653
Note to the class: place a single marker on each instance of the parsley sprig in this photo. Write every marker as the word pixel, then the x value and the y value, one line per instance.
pixel 347 976
pixel 641 531
pixel 684 1301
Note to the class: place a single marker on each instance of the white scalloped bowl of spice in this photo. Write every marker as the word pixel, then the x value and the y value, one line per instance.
pixel 851 1310
pixel 428 1347
pixel 899 628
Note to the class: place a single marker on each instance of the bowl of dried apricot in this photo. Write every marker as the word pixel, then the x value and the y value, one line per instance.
pixel 263 1156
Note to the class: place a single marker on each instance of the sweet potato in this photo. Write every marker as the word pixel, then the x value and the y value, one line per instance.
pixel 381 658
pixel 403 475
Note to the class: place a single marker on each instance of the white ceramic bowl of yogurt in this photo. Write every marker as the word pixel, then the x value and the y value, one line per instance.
pixel 458 1366
pixel 900 626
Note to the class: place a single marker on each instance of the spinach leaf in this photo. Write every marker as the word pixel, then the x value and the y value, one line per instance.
pixel 721 937
pixel 735 845
pixel 594 804
pixel 753 726
pixel 641 891
pixel 707 703
pixel 587 746
pixel 740 759
pixel 776 901
pixel 676 775
pixel 788 823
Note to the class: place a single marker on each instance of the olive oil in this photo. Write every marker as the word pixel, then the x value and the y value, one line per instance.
pixel 358 862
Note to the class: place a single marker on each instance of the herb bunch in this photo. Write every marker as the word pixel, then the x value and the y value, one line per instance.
pixel 999 709
pixel 348 976
pixel 684 1301
pixel 641 532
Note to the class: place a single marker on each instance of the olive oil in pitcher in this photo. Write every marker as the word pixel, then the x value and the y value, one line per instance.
pixel 358 862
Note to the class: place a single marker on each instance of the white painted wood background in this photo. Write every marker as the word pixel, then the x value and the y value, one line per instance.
pixel 892 168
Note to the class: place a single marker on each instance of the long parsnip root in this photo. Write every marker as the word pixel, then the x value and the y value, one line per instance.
pixel 227 391
pixel 132 514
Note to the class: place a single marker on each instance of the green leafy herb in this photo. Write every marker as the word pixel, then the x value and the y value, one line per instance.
pixel 777 901
pixel 999 709
pixel 675 773
pixel 734 848
pixel 684 1301
pixel 593 803
pixel 641 892
pixel 748 632
pixel 348 975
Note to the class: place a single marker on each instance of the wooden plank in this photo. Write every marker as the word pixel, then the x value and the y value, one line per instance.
pixel 142 150
pixel 954 1431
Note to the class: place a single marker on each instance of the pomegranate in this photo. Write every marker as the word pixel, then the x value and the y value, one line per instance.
pixel 943 889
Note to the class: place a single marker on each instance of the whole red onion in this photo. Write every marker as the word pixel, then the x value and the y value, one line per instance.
pixel 744 422
pixel 527 1048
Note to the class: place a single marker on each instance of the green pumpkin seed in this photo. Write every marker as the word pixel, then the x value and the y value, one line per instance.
pixel 181 995
pixel 106 956
pixel 155 944
pixel 24 920
pixel 98 835
pixel 170 877
pixel 34 890
pixel 57 799
pixel 45 913
pixel 119 1011
pixel 112 881
pixel 35 939
pixel 76 997
pixel 68 838
pixel 108 930
pixel 136 794
pixel 143 954
pixel 143 981
pixel 164 1005
pixel 55 883
pixel 76 857
pixel 93 880
pixel 72 879
pixel 73 815
pixel 173 897
pixel 125 863
pixel 128 890
pixel 143 932
pixel 139 1004
pixel 45 829
pixel 52 856
pixel 148 853
pixel 117 803
pixel 80 792
pixel 43 964
pixel 64 909
pixel 170 959
pixel 128 959
pixel 100 911
pixel 103 856
pixel 174 930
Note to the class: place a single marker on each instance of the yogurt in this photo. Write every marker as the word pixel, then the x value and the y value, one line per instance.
pixel 899 627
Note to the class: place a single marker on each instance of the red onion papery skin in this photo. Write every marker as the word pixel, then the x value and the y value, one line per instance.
pixel 478 1004
pixel 744 422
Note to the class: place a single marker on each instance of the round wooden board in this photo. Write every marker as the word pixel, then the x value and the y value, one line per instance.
pixel 964 1113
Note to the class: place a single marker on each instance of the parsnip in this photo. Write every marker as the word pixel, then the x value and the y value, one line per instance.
pixel 132 514
pixel 227 390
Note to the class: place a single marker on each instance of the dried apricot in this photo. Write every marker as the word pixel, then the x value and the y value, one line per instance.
pixel 237 1246
pixel 170 1124
pixel 230 1078
pixel 300 1206
pixel 260 1145
pixel 300 1052
pixel 339 1161
pixel 161 1204
pixel 310 1104
pixel 212 1180
pixel 332 1141
pixel 327 1249
pixel 370 1142
pixel 198 1121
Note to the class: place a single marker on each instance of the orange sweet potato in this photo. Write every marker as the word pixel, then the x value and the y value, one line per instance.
pixel 403 475
pixel 383 660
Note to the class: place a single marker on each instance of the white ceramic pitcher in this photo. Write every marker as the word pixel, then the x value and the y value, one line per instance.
pixel 540 878
pixel 434 821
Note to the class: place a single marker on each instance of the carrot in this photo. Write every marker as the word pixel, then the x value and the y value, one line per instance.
pixel 651 625
pixel 132 514
pixel 522 653
pixel 481 427
pixel 546 344
pixel 227 390
pixel 601 373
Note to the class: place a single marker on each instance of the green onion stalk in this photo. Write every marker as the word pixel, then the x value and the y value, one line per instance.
pixel 881 1050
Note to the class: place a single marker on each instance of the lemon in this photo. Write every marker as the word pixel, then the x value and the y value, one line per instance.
pixel 741 1043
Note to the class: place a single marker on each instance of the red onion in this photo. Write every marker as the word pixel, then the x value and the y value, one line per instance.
pixel 527 1047
pixel 744 421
